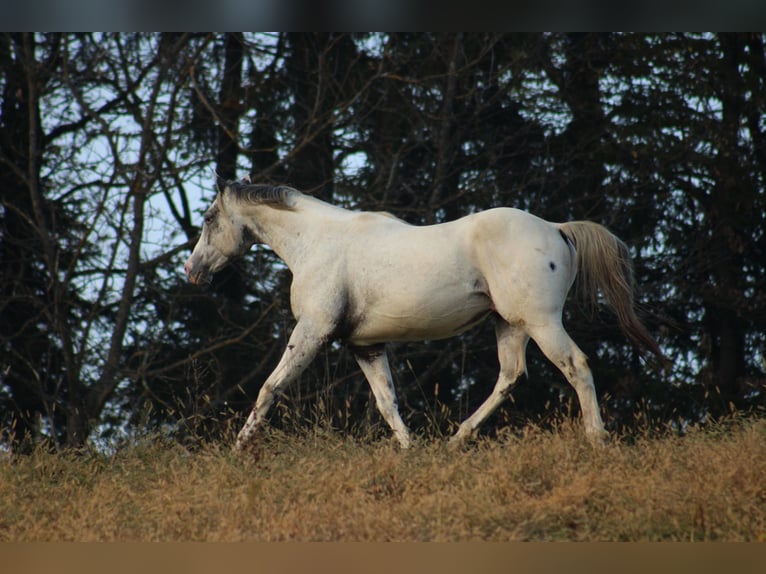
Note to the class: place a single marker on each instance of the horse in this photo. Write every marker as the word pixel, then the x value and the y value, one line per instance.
pixel 368 278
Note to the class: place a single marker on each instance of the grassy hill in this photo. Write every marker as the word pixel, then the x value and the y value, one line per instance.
pixel 318 485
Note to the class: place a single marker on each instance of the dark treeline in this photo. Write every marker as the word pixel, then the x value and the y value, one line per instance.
pixel 108 144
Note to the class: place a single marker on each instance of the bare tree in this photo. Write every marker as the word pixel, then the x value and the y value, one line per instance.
pixel 108 143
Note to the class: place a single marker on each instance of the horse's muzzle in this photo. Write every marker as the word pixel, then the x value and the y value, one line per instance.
pixel 195 276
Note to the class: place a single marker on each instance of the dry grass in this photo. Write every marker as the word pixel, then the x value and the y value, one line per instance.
pixel 708 485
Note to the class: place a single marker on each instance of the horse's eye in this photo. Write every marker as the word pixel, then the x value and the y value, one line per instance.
pixel 208 219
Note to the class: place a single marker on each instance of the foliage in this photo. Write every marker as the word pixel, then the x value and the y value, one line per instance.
pixel 106 147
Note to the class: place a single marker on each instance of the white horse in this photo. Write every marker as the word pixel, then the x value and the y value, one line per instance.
pixel 366 278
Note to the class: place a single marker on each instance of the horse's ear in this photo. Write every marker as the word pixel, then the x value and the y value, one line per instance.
pixel 220 183
pixel 246 179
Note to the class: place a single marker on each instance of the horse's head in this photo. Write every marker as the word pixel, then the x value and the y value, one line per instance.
pixel 225 233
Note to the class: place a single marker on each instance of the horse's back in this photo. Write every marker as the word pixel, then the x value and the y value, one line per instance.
pixel 502 236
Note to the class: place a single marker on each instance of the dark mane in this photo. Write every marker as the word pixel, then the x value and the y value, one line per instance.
pixel 279 196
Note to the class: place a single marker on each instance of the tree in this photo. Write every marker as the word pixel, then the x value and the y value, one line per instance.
pixel 82 296
pixel 108 145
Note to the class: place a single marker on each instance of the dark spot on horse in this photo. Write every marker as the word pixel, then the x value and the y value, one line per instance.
pixel 368 353
pixel 347 321
pixel 290 347
pixel 572 371
pixel 568 369
pixel 248 236
pixel 552 265
pixel 480 286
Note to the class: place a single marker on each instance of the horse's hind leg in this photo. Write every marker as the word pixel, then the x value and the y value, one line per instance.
pixel 374 363
pixel 511 349
pixel 562 351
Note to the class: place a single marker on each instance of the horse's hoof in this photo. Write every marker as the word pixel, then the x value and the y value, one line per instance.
pixel 457 442
pixel 598 439
pixel 249 445
pixel 252 450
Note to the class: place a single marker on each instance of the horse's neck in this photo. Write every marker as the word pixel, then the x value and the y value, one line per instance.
pixel 294 233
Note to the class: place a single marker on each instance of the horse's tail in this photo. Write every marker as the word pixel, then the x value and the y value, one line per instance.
pixel 604 263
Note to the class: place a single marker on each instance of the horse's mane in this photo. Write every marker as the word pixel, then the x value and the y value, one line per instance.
pixel 279 196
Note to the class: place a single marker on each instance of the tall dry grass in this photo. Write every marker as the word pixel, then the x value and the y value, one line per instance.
pixel 318 485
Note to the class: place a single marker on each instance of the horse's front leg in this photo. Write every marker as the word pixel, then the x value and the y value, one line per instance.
pixel 301 350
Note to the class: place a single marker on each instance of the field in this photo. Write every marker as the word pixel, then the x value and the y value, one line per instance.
pixel 317 485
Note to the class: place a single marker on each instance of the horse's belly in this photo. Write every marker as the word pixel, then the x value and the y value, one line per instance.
pixel 435 317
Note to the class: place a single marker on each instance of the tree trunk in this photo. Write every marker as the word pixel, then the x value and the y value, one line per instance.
pixel 25 342
pixel 309 63
pixel 445 179
pixel 580 147
pixel 231 107
pixel 727 332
